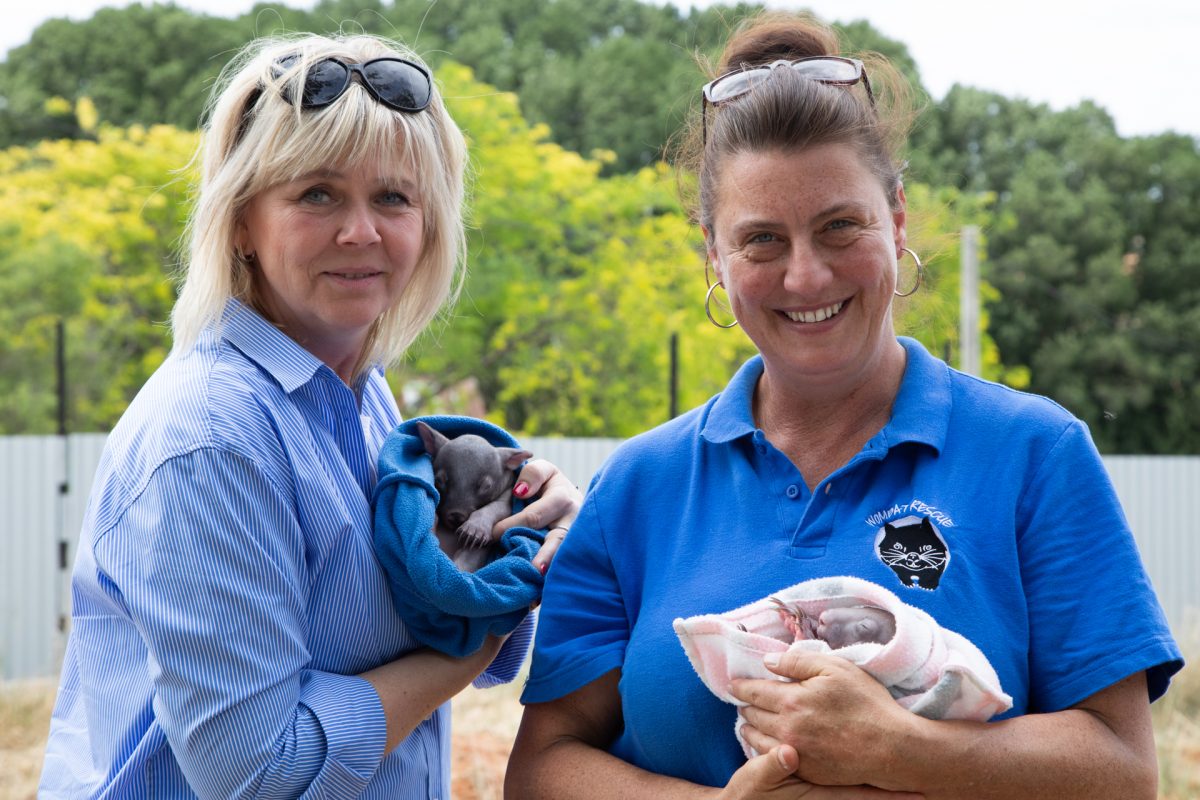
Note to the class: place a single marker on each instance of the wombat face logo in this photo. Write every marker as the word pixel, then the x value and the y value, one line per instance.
pixel 915 551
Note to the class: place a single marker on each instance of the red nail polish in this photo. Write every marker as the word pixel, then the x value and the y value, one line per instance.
pixel 542 568
pixel 521 489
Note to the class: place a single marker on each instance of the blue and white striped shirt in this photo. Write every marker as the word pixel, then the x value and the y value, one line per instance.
pixel 226 592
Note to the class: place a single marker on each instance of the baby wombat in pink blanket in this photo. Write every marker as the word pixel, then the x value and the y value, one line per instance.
pixel 930 670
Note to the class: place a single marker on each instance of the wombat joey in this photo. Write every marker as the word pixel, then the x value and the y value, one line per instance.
pixel 838 627
pixel 474 479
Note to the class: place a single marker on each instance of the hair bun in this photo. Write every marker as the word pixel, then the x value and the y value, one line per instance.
pixel 771 37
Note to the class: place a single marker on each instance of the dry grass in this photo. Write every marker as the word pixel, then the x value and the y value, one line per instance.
pixel 1177 732
pixel 485 723
pixel 25 708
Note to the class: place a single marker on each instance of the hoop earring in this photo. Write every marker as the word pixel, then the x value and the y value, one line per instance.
pixel 920 274
pixel 708 307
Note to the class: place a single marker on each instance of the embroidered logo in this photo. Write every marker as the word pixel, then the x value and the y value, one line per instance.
pixel 914 549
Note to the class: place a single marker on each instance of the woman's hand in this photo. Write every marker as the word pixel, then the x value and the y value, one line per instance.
pixel 842 720
pixel 556 506
pixel 772 776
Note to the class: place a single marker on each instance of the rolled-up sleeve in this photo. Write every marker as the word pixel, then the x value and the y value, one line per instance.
pixel 211 565
pixel 508 661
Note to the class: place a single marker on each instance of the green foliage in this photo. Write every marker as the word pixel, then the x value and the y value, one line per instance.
pixel 577 282
pixel 581 264
pixel 1095 257
pixel 139 64
pixel 89 232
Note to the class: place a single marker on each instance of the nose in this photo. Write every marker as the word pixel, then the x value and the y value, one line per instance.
pixel 455 518
pixel 806 270
pixel 358 226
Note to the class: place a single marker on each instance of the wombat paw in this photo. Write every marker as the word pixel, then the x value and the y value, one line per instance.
pixel 474 534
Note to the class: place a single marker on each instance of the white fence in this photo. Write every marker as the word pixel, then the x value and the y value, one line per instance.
pixel 44 482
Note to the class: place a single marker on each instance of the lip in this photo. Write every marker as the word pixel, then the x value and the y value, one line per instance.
pixel 354 277
pixel 816 315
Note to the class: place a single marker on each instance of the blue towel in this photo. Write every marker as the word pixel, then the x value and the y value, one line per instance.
pixel 445 608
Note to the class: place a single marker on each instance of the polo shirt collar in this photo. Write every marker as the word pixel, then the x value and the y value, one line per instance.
pixel 920 414
pixel 730 416
pixel 273 351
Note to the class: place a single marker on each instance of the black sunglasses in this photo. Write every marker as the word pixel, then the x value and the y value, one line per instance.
pixel 398 84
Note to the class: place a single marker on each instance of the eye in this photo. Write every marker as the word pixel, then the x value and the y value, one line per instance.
pixel 762 238
pixel 316 194
pixel 392 197
pixel 487 487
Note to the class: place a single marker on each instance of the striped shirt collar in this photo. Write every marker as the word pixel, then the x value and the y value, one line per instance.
pixel 271 349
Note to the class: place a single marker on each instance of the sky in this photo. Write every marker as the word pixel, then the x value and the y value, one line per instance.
pixel 1137 60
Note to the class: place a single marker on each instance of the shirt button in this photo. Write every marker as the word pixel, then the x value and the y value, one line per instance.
pixel 828 486
pixel 793 491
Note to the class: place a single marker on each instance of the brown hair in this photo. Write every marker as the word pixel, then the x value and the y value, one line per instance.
pixel 789 112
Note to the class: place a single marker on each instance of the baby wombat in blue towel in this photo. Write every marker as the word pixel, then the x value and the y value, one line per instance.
pixel 474 479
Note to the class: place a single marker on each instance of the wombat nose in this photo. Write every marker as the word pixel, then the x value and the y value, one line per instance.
pixel 455 518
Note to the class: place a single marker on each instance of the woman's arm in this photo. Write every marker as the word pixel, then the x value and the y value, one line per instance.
pixel 413 686
pixel 851 731
pixel 560 754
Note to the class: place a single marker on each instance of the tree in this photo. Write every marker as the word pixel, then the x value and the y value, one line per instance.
pixel 1095 262
pixel 139 64
pixel 89 237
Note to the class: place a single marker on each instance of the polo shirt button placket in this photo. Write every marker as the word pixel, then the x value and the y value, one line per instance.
pixel 792 492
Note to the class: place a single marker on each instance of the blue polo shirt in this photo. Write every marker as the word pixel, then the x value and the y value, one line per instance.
pixel 986 507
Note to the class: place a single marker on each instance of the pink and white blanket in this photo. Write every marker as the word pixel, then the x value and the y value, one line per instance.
pixel 930 670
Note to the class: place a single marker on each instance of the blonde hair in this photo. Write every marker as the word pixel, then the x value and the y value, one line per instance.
pixel 254 139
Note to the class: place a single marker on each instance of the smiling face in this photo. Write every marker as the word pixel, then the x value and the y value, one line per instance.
pixel 806 245
pixel 332 251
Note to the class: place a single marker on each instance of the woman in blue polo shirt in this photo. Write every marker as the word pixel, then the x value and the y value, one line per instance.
pixel 836 448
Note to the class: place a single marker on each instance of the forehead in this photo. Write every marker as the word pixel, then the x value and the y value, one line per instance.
pixel 805 181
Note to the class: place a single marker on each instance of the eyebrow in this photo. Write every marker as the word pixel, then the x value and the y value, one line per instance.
pixel 841 208
pixel 325 173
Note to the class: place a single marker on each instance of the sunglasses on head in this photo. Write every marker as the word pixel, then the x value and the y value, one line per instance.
pixel 398 84
pixel 831 70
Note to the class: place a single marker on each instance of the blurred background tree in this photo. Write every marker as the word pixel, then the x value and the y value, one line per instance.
pixel 582 262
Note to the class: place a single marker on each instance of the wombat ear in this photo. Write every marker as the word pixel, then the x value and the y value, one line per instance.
pixel 434 440
pixel 513 457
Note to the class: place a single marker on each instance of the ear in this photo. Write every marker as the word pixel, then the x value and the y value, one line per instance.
pixel 434 440
pixel 900 220
pixel 241 236
pixel 710 251
pixel 513 457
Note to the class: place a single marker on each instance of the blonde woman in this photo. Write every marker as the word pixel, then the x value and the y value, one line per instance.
pixel 233 634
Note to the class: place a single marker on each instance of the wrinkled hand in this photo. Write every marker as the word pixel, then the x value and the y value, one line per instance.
pixel 841 719
pixel 772 776
pixel 557 504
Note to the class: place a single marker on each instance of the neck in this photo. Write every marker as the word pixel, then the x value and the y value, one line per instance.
pixel 821 427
